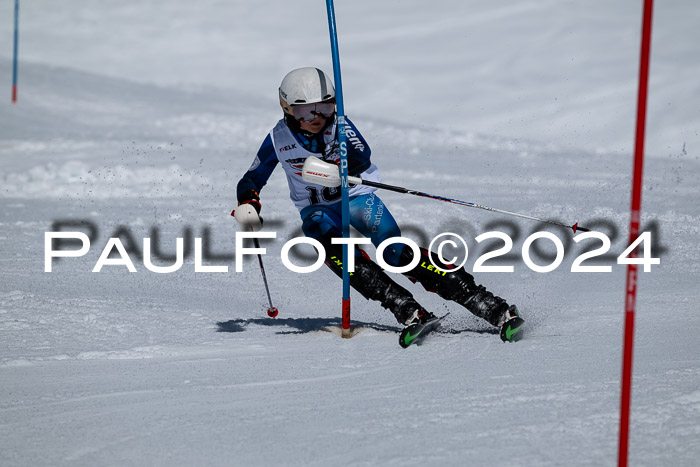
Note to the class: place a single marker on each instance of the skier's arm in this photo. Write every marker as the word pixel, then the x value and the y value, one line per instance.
pixel 249 186
pixel 358 150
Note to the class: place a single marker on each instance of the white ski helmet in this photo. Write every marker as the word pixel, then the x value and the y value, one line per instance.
pixel 305 86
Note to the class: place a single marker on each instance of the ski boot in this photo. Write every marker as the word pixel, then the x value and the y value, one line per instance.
pixel 373 283
pixel 511 325
pixel 457 285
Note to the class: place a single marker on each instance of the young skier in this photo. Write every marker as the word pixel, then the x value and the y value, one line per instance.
pixel 307 97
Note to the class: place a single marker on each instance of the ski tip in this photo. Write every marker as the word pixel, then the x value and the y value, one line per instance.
pixel 512 330
pixel 410 334
pixel 414 334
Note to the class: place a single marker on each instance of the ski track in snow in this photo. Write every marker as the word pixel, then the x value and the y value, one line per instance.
pixel 119 368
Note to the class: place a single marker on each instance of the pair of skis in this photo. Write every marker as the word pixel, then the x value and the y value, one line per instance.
pixel 511 331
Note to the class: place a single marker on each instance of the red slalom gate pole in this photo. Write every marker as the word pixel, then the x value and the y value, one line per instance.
pixel 635 214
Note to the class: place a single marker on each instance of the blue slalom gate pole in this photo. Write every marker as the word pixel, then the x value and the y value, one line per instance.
pixel 14 59
pixel 342 144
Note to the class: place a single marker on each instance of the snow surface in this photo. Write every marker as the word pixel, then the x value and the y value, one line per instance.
pixel 141 115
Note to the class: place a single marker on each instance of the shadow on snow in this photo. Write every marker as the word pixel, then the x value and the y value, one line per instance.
pixel 299 325
pixel 306 325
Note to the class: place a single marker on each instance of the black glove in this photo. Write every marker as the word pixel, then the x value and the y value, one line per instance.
pixel 251 197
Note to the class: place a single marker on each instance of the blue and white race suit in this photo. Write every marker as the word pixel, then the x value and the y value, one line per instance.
pixel 319 206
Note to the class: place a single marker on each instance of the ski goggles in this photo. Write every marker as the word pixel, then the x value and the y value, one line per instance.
pixel 307 112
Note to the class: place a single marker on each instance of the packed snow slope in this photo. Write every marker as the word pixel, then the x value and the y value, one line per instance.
pixel 136 120
pixel 556 71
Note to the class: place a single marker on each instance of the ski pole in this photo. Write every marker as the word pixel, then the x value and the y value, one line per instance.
pixel 399 189
pixel 272 311
pixel 326 174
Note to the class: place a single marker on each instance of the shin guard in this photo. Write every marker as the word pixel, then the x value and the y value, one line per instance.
pixel 374 284
pixel 457 285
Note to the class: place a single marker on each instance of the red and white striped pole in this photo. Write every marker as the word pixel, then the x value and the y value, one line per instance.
pixel 635 214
